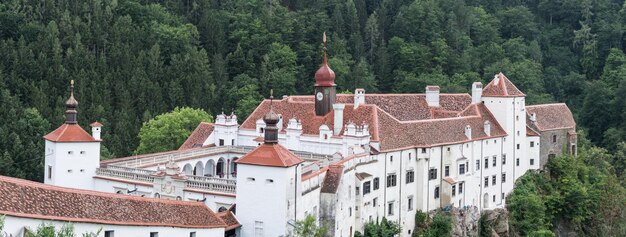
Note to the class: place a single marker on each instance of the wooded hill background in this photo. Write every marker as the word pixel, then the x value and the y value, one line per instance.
pixel 135 59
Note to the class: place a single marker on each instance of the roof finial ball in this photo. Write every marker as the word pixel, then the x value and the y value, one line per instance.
pixel 71 104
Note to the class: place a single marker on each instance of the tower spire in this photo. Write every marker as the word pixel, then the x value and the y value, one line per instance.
pixel 71 104
pixel 271 119
pixel 325 90
pixel 324 61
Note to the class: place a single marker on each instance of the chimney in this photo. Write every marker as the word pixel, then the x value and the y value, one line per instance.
pixel 468 132
pixel 487 128
pixel 95 130
pixel 477 92
pixel 533 117
pixel 432 96
pixel 338 122
pixel 359 97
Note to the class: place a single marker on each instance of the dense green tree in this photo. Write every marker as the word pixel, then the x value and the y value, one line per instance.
pixel 168 131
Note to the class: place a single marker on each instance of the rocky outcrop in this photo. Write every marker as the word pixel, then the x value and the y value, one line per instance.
pixel 465 222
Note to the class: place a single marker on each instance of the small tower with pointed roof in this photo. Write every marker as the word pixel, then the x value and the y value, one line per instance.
pixel 72 155
pixel 325 87
pixel 268 180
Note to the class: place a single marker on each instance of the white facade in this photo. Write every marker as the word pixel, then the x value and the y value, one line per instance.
pixel 71 164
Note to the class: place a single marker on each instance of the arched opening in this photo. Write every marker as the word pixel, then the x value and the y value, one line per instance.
pixel 222 209
pixel 219 170
pixel 233 167
pixel 157 195
pixel 119 192
pixel 485 201
pixel 187 169
pixel 179 198
pixel 198 169
pixel 209 170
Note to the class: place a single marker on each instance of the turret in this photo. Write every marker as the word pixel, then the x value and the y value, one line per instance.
pixel 325 91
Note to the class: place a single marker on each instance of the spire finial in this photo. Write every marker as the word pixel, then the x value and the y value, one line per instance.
pixel 324 40
pixel 71 104
pixel 72 88
pixel 222 110
pixel 271 98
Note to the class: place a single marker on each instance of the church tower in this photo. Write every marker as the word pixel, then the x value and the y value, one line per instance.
pixel 72 155
pixel 325 87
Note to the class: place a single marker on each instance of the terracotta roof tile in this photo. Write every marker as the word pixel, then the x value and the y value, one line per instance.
pixel 69 133
pixel 198 136
pixel 531 132
pixel 332 179
pixel 36 200
pixel 228 218
pixel 96 124
pixel 270 155
pixel 501 86
pixel 551 116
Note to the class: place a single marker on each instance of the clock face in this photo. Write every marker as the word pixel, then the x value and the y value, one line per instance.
pixel 319 96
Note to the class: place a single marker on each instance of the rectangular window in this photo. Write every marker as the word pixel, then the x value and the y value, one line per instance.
pixel 432 174
pixel 486 182
pixel 453 190
pixel 109 233
pixel 553 138
pixel 391 180
pixel 423 150
pixel 221 142
pixel 517 162
pixel 502 196
pixel 391 158
pixel 493 180
pixel 390 208
pixel 477 164
pixel 532 161
pixel 486 162
pixel 375 202
pixel 357 191
pixel 376 183
pixel 258 229
pixel 503 178
pixel 49 172
pixel 447 171
pixel 70 152
pixel 192 234
pixel 494 161
pixel 532 144
pixel 410 176
pixel 460 188
pixel 82 152
pixel 462 169
pixel 366 187
pixel 410 201
pixel 504 159
pixel 518 146
pixel 436 192
pixel 154 234
pixel 232 142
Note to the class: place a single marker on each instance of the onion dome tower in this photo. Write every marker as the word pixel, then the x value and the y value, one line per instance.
pixel 271 119
pixel 325 87
pixel 71 104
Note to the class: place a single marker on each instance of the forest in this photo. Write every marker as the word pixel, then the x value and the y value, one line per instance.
pixel 135 59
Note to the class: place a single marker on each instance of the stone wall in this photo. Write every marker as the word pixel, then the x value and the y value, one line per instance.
pixel 549 147
pixel 466 221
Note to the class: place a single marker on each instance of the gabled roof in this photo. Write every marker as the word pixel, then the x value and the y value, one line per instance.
pixel 395 120
pixel 29 199
pixel 332 179
pixel 198 136
pixel 501 86
pixel 274 155
pixel 551 117
pixel 69 133
pixel 229 218
pixel 531 132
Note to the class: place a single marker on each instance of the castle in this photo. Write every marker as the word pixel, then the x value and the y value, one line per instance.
pixel 346 159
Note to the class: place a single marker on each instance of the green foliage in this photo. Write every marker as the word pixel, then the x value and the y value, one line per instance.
pixel 582 193
pixel 48 230
pixel 168 131
pixel 309 228
pixel 384 228
pixel 425 226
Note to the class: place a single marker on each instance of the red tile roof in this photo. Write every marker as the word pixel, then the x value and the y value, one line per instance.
pixel 69 133
pixel 230 220
pixel 551 117
pixel 501 86
pixel 396 120
pixel 274 155
pixel 29 199
pixel 332 179
pixel 531 132
pixel 198 136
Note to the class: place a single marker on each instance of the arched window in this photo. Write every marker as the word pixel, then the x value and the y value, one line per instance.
pixel 157 195
pixel 222 209
pixel 179 198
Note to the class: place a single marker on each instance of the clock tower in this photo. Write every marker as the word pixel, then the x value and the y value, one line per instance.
pixel 325 87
